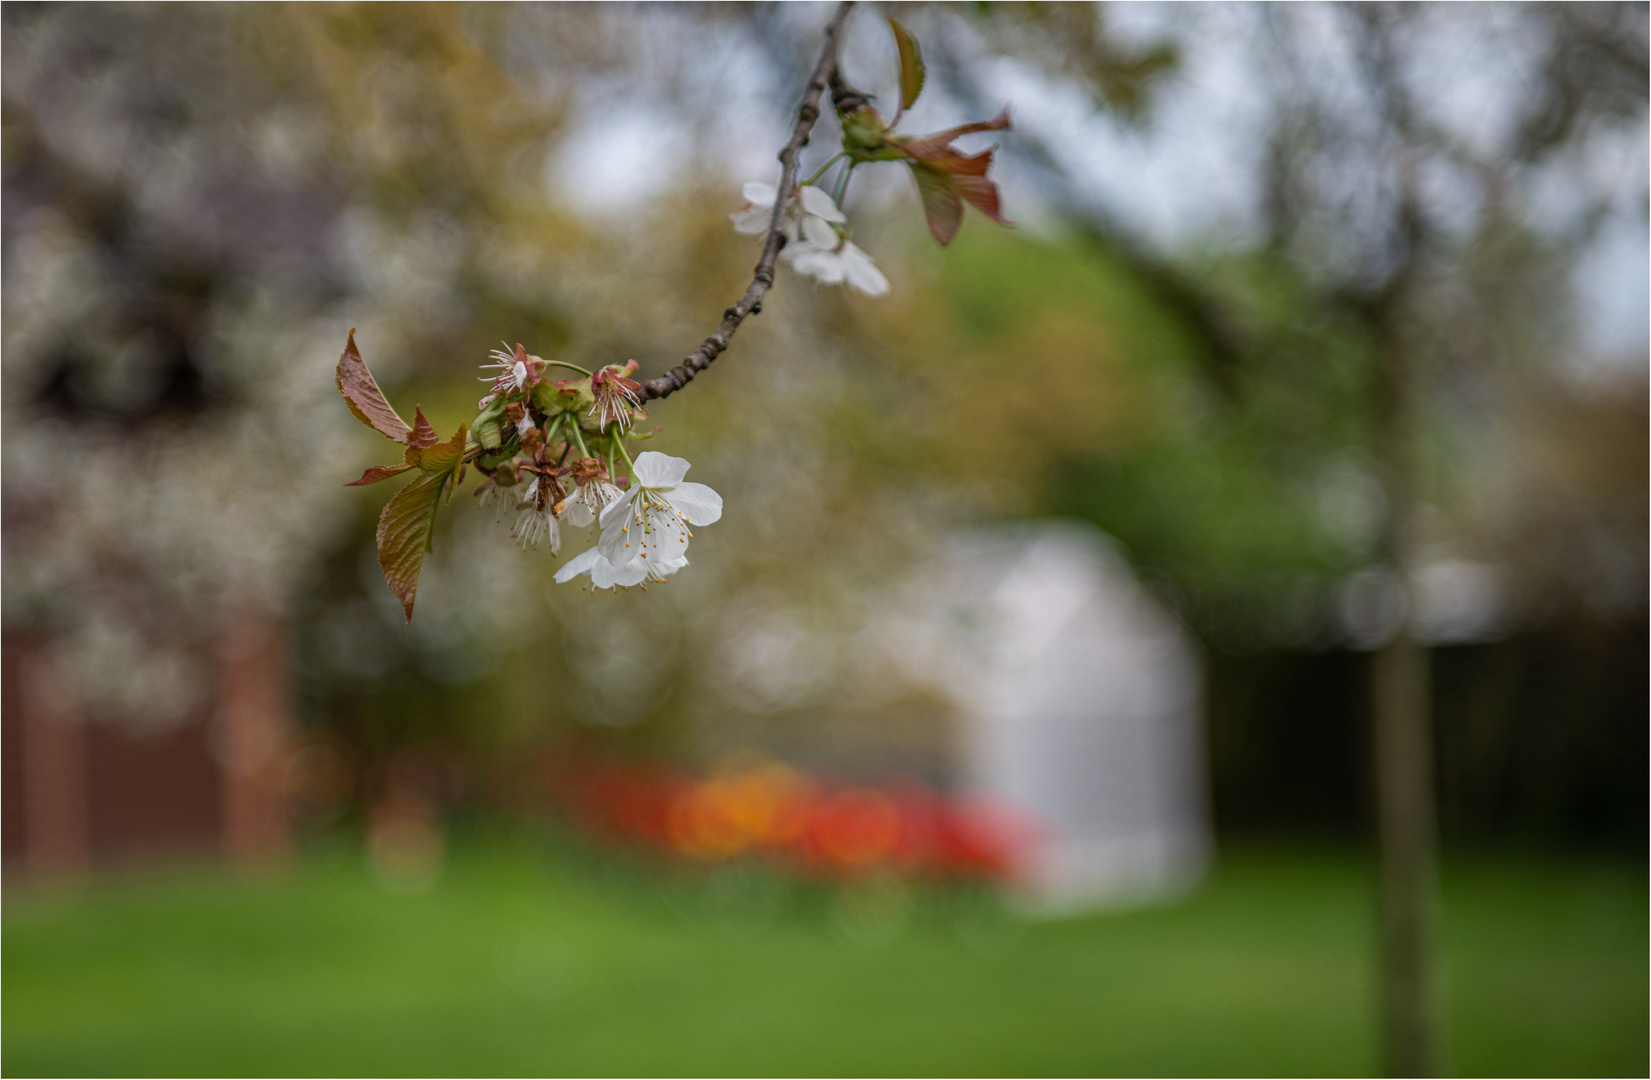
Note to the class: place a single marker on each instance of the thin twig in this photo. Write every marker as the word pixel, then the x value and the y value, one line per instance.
pixel 751 303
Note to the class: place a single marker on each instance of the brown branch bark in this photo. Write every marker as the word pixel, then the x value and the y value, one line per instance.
pixel 763 278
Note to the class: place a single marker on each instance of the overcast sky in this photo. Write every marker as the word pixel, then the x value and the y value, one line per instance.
pixel 1190 175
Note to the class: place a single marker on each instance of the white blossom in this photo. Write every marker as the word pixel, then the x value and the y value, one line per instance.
pixel 501 496
pixel 588 500
pixel 812 212
pixel 816 246
pixel 846 262
pixel 604 575
pixel 650 521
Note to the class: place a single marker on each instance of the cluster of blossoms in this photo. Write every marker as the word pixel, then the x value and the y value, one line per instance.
pixel 552 451
pixel 816 229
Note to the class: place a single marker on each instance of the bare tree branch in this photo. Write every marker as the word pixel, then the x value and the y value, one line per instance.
pixel 763 279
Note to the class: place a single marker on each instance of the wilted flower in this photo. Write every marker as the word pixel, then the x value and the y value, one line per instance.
pixel 537 520
pixel 502 490
pixel 592 492
pixel 650 520
pixel 616 394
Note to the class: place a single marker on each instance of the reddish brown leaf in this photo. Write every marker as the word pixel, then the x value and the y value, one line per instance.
pixel 912 71
pixel 405 529
pixel 983 194
pixel 938 144
pixel 942 205
pixel 380 472
pixel 365 399
pixel 424 432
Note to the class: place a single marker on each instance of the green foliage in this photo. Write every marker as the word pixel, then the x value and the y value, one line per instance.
pixel 912 71
pixel 1104 405
pixel 406 527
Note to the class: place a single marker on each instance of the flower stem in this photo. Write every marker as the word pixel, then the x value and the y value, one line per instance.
pixel 834 159
pixel 619 442
pixel 570 367
pixel 842 184
pixel 580 439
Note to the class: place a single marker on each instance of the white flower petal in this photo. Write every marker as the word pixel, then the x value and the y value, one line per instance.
pixel 604 575
pixel 753 220
pixel 819 234
pixel 700 504
pixel 819 204
pixel 616 509
pixel 862 272
pixel 579 564
pixel 659 571
pixel 664 533
pixel 826 266
pixel 659 471
pixel 759 194
pixel 621 540
pixel 579 514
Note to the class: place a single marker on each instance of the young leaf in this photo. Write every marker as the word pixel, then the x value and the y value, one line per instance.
pixel 424 432
pixel 940 141
pixel 404 535
pixel 405 528
pixel 942 205
pixel 365 399
pixel 380 472
pixel 912 71
pixel 443 456
pixel 945 178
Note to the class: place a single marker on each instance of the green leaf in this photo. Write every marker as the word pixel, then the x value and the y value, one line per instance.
pixel 405 532
pixel 405 528
pixel 365 399
pixel 443 456
pixel 548 398
pixel 912 71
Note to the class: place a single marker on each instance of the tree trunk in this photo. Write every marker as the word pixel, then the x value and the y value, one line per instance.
pixel 1403 716
pixel 1405 815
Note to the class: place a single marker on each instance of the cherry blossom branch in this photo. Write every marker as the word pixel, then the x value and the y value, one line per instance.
pixel 763 279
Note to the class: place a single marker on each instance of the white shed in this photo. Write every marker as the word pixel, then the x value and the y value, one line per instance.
pixel 1079 700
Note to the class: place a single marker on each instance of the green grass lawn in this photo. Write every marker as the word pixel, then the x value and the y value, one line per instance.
pixel 520 961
